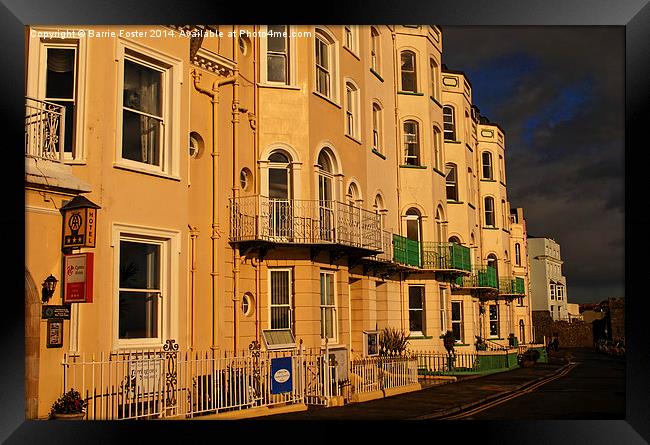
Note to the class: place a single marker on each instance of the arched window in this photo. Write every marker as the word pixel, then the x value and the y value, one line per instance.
pixel 434 78
pixel 437 148
pixel 493 262
pixel 280 194
pixel 353 194
pixel 518 254
pixel 468 138
pixel 454 239
pixel 411 143
pixel 522 331
pixel 326 195
pixel 470 186
pixel 487 165
pixel 325 65
pixel 504 213
pixel 408 69
pixel 440 225
pixel 375 49
pixel 352 121
pixel 449 121
pixel 380 209
pixel 351 41
pixel 489 211
pixel 413 224
pixel 376 127
pixel 452 182
pixel 501 169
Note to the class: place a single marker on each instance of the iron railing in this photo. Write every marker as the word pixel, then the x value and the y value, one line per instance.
pixel 481 276
pixel 441 256
pixel 44 129
pixel 382 372
pixel 406 251
pixel 435 363
pixel 304 222
pixel 511 286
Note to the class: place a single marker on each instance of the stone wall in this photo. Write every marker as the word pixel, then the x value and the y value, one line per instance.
pixel 574 334
pixel 617 317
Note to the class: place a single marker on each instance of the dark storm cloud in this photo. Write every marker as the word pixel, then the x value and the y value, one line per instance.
pixel 559 94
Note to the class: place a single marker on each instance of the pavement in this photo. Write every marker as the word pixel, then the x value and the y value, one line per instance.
pixel 440 400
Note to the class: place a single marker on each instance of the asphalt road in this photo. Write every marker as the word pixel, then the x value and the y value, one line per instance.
pixel 595 389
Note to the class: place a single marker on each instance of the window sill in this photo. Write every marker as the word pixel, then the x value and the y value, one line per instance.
pixel 507 231
pixel 469 147
pixel 488 180
pixel 419 337
pixel 421 167
pixel 439 172
pixel 281 86
pixel 376 75
pixel 451 201
pixel 375 151
pixel 327 99
pixel 410 93
pixel 146 172
pixel 489 228
pixel 471 205
pixel 462 344
pixel 74 161
pixel 353 138
pixel 435 101
pixel 447 141
pixel 351 51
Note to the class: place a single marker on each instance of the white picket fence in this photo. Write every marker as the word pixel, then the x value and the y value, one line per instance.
pixel 429 362
pixel 383 372
pixel 145 384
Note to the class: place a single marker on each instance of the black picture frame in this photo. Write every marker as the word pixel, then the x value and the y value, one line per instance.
pixel 634 15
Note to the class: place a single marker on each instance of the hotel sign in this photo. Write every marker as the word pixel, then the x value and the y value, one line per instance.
pixel 79 223
pixel 78 278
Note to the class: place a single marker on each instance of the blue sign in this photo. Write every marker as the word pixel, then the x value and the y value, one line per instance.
pixel 281 378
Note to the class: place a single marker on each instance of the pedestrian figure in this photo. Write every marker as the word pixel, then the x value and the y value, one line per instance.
pixel 556 342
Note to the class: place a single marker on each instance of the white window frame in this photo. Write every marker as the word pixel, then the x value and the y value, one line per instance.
pixel 449 167
pixel 352 110
pixel 445 120
pixel 492 212
pixel 443 310
pixel 170 249
pixel 483 165
pixel 291 54
pixel 172 70
pixel 420 309
pixel 434 70
pixel 320 33
pixel 375 50
pixel 490 320
pixel 417 143
pixel 351 40
pixel 517 254
pixel 270 301
pixel 552 291
pixel 437 147
pixel 459 321
pixel 36 77
pixel 377 127
pixel 559 292
pixel 334 307
pixel 415 70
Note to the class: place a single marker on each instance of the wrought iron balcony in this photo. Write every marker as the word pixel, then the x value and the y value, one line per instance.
pixel 481 277
pixel 44 129
pixel 406 251
pixel 313 222
pixel 511 286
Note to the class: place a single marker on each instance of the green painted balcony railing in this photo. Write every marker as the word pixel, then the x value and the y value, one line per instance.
pixel 481 276
pixel 511 286
pixel 406 251
pixel 446 256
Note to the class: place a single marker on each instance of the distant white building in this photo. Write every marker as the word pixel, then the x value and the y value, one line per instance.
pixel 547 283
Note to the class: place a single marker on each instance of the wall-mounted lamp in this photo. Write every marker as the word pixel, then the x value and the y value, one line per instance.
pixel 48 288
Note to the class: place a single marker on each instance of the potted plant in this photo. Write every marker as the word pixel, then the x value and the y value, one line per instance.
pixel 70 406
pixel 480 344
pixel 393 341
pixel 529 358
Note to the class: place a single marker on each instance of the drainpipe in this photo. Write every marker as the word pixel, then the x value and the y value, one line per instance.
pixel 194 233
pixel 214 99
pixel 397 157
pixel 235 185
